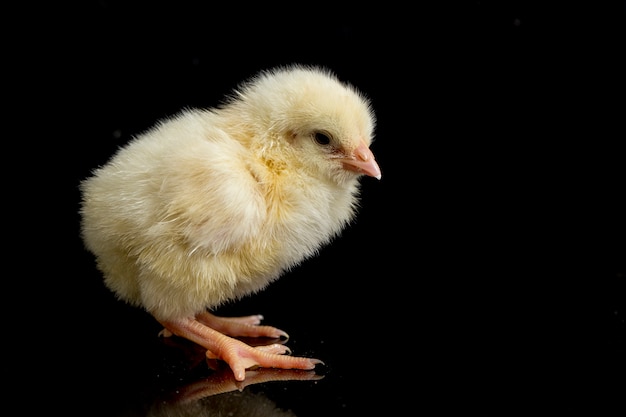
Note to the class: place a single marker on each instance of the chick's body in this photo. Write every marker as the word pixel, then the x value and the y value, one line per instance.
pixel 212 205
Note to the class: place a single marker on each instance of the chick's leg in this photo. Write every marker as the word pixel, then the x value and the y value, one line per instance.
pixel 238 355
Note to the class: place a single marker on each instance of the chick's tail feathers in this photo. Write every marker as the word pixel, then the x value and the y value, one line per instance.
pixel 216 334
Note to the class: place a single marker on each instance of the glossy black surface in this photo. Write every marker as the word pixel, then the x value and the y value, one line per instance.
pixel 485 274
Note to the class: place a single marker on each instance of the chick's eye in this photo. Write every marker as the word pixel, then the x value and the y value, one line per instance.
pixel 321 138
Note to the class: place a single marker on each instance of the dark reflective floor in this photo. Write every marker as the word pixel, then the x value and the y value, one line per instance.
pixel 445 348
pixel 485 274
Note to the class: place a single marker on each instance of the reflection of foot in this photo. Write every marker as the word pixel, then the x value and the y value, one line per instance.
pixel 222 395
pixel 223 381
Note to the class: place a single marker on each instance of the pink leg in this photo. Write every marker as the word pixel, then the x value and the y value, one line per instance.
pixel 238 355
pixel 247 326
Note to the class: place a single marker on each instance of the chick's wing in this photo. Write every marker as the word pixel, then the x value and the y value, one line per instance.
pixel 189 184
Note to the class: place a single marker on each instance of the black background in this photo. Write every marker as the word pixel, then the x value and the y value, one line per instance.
pixel 485 272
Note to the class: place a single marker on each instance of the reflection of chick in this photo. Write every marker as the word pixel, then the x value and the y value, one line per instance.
pixel 215 204
pixel 221 395
pixel 235 404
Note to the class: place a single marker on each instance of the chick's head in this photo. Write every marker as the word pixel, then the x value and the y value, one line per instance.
pixel 309 117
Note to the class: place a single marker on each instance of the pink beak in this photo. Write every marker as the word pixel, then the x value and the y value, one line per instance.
pixel 362 161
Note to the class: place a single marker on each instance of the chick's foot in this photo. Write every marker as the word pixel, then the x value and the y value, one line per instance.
pixel 247 326
pixel 238 355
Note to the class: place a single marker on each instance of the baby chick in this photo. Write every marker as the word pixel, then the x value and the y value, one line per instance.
pixel 214 204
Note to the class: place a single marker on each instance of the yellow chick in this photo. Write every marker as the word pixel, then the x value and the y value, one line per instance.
pixel 214 204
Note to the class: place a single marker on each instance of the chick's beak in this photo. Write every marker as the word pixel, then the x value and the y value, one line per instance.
pixel 362 161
